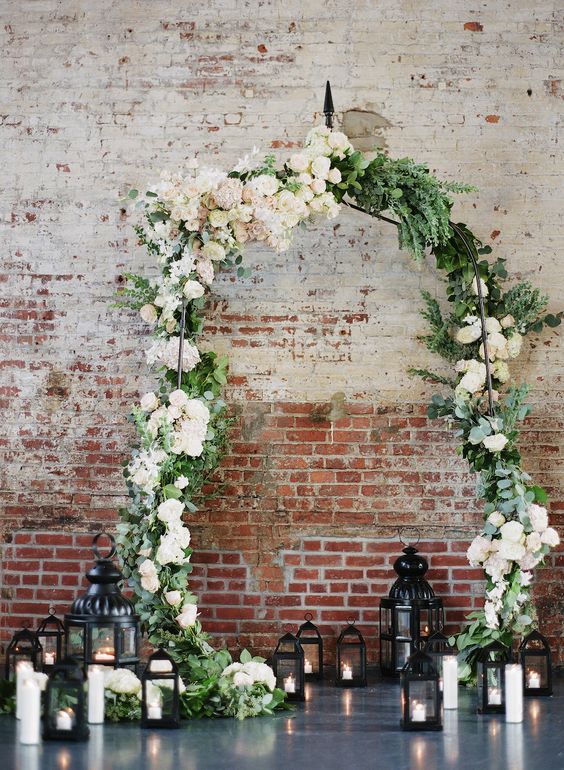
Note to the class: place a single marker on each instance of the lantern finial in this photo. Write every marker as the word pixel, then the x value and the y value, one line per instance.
pixel 328 108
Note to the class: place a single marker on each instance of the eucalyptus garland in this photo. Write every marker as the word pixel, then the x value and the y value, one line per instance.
pixel 198 222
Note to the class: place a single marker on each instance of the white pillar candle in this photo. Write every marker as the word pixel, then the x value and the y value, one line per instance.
pixel 450 682
pixel 290 684
pixel 308 668
pixel 418 711
pixel 49 658
pixel 154 711
pixel 96 695
pixel 494 696
pixel 24 670
pixel 347 672
pixel 64 719
pixel 513 693
pixel 533 680
pixel 30 703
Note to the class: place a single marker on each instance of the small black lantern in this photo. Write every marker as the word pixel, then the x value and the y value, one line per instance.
pixel 437 648
pixel 491 663
pixel 24 646
pixel 409 614
pixel 51 634
pixel 312 645
pixel 64 716
pixel 351 658
pixel 536 660
pixel 420 693
pixel 160 701
pixel 102 627
pixel 288 666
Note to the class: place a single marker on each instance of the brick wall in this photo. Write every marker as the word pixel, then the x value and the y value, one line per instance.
pixel 333 450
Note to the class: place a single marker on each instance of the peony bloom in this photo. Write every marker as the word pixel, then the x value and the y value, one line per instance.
pixel 475 377
pixel 149 578
pixel 538 517
pixel 495 443
pixel 479 550
pixel 260 672
pixel 550 537
pixel 264 185
pixel 534 542
pixel 496 518
pixel 298 163
pixel 512 531
pixel 197 410
pixel 497 346
pixel 149 402
pixel 148 313
pixel 492 325
pixel 468 334
pixel 338 141
pixel 187 616
pixel 170 512
pixel 320 167
pixel 170 551
pixel 510 550
pixel 242 679
pixel 173 598
pixel 121 680
pixel 178 398
pixel 193 290
pixel 318 186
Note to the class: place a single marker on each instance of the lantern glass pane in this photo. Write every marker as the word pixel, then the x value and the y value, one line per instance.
pixel 403 621
pixel 386 652
pixel 287 675
pixel 422 701
pixel 386 620
pixel 403 651
pixel 424 622
pixel 160 699
pixel 103 644
pixel 493 686
pixel 536 672
pixel 128 642
pixel 76 641
pixel 351 663
pixel 311 656
pixel 62 707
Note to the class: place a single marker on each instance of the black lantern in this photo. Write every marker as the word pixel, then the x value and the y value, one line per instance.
pixel 420 693
pixel 351 658
pixel 160 701
pixel 491 663
pixel 64 716
pixel 288 666
pixel 437 648
pixel 24 646
pixel 536 660
pixel 102 627
pixel 410 613
pixel 51 634
pixel 312 645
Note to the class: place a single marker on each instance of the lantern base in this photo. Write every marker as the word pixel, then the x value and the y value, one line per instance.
pixel 417 726
pixel 350 683
pixel 491 709
pixel 165 724
pixel 533 692
pixel 67 735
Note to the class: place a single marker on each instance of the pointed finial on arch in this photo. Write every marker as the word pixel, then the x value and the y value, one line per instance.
pixel 328 108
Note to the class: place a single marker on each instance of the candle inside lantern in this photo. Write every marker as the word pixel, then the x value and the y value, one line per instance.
pixel 514 693
pixel 533 680
pixel 308 668
pixel 494 696
pixel 30 698
pixel 347 672
pixel 49 658
pixel 290 684
pixel 65 719
pixel 450 684
pixel 24 671
pixel 96 694
pixel 154 711
pixel 104 654
pixel 418 711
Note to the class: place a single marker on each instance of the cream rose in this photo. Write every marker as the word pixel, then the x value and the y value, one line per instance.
pixel 193 290
pixel 320 167
pixel 496 518
pixel 173 598
pixel 299 162
pixel 512 531
pixel 538 517
pixel 495 443
pixel 469 334
pixel 178 398
pixel 550 537
pixel 214 251
pixel 507 321
pixel 187 616
pixel 149 402
pixel 148 313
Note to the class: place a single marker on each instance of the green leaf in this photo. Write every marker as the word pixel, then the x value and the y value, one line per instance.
pixel 133 194
pixel 541 496
pixel 552 320
pixel 476 435
pixel 245 656
pixel 171 491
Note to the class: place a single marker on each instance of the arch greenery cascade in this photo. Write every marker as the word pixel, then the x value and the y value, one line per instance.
pixel 198 222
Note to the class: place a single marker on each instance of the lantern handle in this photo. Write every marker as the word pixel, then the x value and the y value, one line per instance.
pixel 308 616
pixel 113 550
pixel 52 611
pixel 288 628
pixel 351 621
pixel 407 544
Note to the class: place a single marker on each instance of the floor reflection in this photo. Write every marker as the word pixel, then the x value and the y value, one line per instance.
pixel 514 745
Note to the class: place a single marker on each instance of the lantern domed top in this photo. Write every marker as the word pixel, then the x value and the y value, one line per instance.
pixel 103 597
pixel 411 583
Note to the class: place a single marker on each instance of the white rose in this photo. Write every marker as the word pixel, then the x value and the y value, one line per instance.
pixel 512 531
pixel 511 551
pixel 121 680
pixel 264 184
pixel 218 218
pixel 538 517
pixel 260 672
pixel 214 251
pixel 334 176
pixel 197 410
pixel 170 551
pixel 469 334
pixel 242 679
pixel 492 620
pixel 305 178
pixel 496 518
pixel 178 398
pixel 188 616
pixel 473 381
pixel 534 542
pixel 173 413
pixel 173 597
pixel 483 287
pixel 318 186
pixel 495 443
pixel 320 167
pixel 507 321
pixel 298 162
pixel 479 549
pixel 149 402
pixel 181 482
pixel 170 511
pixel 514 344
pixel 492 325
pixel 338 141
pixel 496 567
pixel 193 290
pixel 231 668
pixel 550 537
pixel 148 313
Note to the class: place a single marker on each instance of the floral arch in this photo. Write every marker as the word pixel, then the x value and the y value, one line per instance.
pixel 198 222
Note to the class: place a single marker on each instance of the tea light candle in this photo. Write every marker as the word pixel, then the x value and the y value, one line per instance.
pixel 308 668
pixel 154 711
pixel 533 680
pixel 30 703
pixel 494 696
pixel 24 671
pixel 105 655
pixel 290 684
pixel 450 682
pixel 96 694
pixel 64 720
pixel 514 693
pixel 49 658
pixel 347 671
pixel 418 711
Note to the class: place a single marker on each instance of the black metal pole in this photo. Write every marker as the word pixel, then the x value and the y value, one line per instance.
pixel 181 343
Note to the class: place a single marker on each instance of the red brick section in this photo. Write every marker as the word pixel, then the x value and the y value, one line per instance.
pixel 306 520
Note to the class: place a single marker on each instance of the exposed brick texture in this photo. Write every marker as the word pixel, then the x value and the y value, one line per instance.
pixel 333 450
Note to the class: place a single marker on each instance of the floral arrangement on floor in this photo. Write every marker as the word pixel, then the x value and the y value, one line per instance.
pixel 197 223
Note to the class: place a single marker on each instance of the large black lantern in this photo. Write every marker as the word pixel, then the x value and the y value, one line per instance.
pixel 536 660
pixel 51 634
pixel 420 693
pixel 351 658
pixel 312 645
pixel 410 613
pixel 102 627
pixel 160 701
pixel 64 716
pixel 437 648
pixel 24 646
pixel 491 663
pixel 288 666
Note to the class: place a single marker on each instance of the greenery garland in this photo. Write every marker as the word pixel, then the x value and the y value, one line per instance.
pixel 198 223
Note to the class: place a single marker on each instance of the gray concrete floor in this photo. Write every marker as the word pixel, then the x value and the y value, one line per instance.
pixel 335 728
